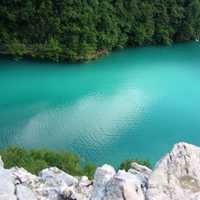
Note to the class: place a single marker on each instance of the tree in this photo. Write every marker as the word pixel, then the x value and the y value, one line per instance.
pixel 80 30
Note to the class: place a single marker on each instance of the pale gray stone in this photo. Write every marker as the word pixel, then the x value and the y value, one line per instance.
pixel 142 173
pixel 25 193
pixel 36 184
pixel 20 176
pixel 102 176
pixel 177 175
pixel 55 176
pixel 141 169
pixel 7 188
pixel 124 186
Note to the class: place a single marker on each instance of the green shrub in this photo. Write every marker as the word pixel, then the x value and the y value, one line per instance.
pixel 36 160
pixel 89 169
pixel 16 48
pixel 126 165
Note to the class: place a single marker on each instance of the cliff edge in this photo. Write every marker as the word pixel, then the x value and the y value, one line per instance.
pixel 175 177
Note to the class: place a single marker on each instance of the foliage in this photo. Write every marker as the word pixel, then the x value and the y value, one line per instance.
pixel 36 160
pixel 77 30
pixel 16 48
pixel 126 165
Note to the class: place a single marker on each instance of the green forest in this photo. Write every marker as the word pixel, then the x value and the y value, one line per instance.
pixel 81 30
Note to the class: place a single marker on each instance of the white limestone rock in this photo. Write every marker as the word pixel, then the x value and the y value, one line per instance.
pixel 142 173
pixel 101 177
pixel 1 163
pixel 24 193
pixel 177 175
pixel 7 188
pixel 20 176
pixel 80 191
pixel 84 181
pixel 84 187
pixel 124 186
pixel 60 185
pixel 54 176
pixel 36 184
pixel 141 169
pixel 57 184
pixel 73 194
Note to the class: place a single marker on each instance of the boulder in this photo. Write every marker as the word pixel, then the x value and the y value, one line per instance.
pixel 7 188
pixel 54 176
pixel 141 169
pixel 20 175
pixel 124 186
pixel 60 185
pixel 177 175
pixel 80 191
pixel 24 193
pixel 84 187
pixel 101 177
pixel 29 182
pixel 142 173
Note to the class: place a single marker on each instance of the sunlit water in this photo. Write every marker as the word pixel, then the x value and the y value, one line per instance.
pixel 134 103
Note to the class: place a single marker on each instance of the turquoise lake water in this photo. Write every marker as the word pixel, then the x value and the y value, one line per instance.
pixel 134 103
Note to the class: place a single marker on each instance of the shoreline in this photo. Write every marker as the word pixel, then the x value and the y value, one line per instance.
pixel 92 57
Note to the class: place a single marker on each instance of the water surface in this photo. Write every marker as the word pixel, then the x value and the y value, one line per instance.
pixel 132 103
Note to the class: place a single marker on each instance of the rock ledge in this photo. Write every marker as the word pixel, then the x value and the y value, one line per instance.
pixel 175 177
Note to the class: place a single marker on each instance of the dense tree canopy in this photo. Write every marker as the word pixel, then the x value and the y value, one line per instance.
pixel 79 30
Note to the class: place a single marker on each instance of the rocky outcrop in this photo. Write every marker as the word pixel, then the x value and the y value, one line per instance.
pixel 24 193
pixel 175 177
pixel 124 186
pixel 7 187
pixel 109 185
pixel 102 177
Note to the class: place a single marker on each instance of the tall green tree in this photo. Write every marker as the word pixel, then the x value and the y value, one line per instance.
pixel 80 30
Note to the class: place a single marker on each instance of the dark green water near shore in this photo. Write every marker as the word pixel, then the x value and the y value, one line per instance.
pixel 132 103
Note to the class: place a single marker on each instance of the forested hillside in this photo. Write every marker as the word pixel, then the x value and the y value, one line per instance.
pixel 80 30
